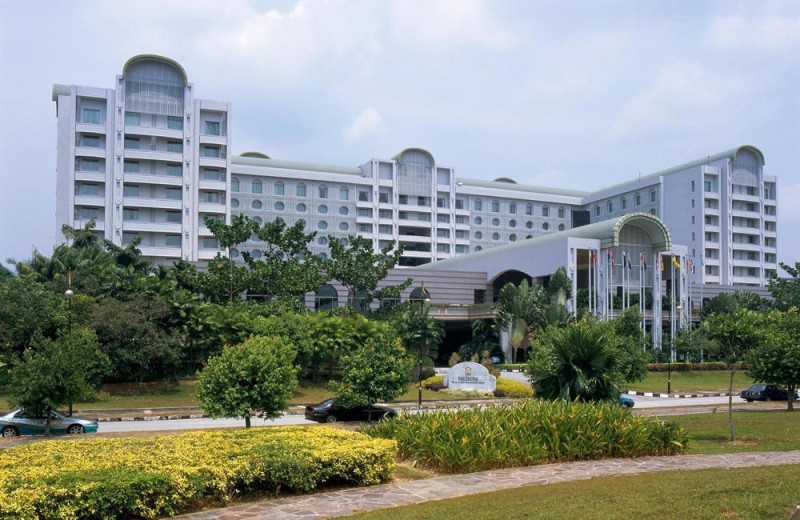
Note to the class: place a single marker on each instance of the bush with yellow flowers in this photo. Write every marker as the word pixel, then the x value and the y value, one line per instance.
pixel 160 476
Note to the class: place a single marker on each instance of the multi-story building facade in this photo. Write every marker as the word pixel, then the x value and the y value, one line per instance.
pixel 147 159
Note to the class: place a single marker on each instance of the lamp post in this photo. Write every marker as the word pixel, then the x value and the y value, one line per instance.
pixel 671 351
pixel 425 298
pixel 68 294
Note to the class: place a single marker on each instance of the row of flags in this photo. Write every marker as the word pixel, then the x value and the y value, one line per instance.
pixel 626 261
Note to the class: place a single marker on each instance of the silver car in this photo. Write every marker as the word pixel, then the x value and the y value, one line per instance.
pixel 20 422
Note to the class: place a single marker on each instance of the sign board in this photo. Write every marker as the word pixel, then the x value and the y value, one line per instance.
pixel 470 376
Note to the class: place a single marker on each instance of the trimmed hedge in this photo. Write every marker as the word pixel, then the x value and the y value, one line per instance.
pixel 511 388
pixel 530 432
pixel 434 383
pixel 677 367
pixel 160 476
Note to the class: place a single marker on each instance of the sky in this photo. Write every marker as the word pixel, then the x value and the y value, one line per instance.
pixel 572 94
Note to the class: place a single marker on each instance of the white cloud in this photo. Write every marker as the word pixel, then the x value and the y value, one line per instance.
pixel 369 123
pixel 770 32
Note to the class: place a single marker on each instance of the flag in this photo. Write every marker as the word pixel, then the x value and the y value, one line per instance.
pixel 644 261
pixel 702 262
pixel 675 263
pixel 628 259
pixel 661 261
pixel 594 257
pixel 688 265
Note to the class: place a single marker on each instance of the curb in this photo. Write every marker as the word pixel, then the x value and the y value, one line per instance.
pixel 674 396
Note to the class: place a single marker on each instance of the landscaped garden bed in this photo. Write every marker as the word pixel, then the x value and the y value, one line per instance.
pixel 528 433
pixel 160 476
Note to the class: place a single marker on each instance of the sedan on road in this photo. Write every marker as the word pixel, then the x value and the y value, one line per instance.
pixel 764 392
pixel 331 412
pixel 20 422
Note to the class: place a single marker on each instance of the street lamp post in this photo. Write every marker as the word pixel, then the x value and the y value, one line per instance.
pixel 68 294
pixel 425 298
pixel 671 352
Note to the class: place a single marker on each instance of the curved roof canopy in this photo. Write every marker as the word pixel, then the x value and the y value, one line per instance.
pixel 130 65
pixel 509 180
pixel 399 157
pixel 256 155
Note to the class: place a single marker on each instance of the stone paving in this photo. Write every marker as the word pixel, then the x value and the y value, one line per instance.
pixel 350 501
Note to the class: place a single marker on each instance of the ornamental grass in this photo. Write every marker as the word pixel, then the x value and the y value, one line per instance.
pixel 528 433
pixel 161 476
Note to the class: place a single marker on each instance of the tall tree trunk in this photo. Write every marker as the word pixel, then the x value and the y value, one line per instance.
pixel 247 421
pixel 47 424
pixel 790 398
pixel 730 406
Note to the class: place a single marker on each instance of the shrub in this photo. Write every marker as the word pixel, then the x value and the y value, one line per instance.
pixel 433 383
pixel 511 388
pixel 664 367
pixel 531 432
pixel 159 476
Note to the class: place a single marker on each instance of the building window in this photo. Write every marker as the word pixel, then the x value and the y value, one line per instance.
pixel 495 236
pixel 344 210
pixel 132 143
pixel 561 227
pixel 300 190
pixel 130 214
pixel 91 116
pixel 495 222
pixel 323 209
pixel 363 196
pixel 529 224
pixel 279 188
pixel 459 203
pixel 128 237
pixel 385 213
pixel 478 221
pixel 652 196
pixel 495 206
pixel 461 219
pixel 344 226
pixel 478 235
pixel 211 151
pixel 638 199
pixel 561 212
pixel 279 206
pixel 257 186
pixel 90 165
pixel 212 128
pixel 707 185
pixel 529 209
pixel 512 223
pixel 173 170
pixel 545 226
pixel 177 147
pixel 211 197
pixel 443 233
pixel 512 208
pixel 234 203
pixel 235 185
pixel 653 211
pixel 301 208
pixel 174 123
pixel 624 203
pixel 211 243
pixel 596 210
pixel 130 190
pixel 441 202
pixel 442 248
pixel 545 211
pixel 174 194
pixel 326 298
pixel 174 216
pixel 385 229
pixel 130 166
pixel 172 240
pixel 344 194
pixel 478 205
pixel 402 199
pixel 512 237
pixel 610 207
pixel 322 225
pixel 383 197
pixel 322 192
pixel 133 119
pixel 211 174
pixel 478 248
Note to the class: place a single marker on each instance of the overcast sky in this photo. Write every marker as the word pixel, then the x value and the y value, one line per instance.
pixel 570 94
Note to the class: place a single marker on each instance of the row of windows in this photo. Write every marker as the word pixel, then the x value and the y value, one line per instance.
pixel 623 203
pixel 279 188
pixel 512 208
pixel 513 223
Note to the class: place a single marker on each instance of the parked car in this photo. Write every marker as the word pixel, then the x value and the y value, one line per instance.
pixel 765 392
pixel 20 422
pixel 331 412
pixel 626 402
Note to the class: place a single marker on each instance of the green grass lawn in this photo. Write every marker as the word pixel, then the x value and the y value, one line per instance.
pixel 689 382
pixel 767 430
pixel 751 493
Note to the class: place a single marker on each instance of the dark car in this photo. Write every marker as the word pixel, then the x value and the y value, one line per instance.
pixel 330 411
pixel 765 392
pixel 626 402
pixel 20 422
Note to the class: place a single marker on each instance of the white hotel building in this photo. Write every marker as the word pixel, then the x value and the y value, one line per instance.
pixel 148 159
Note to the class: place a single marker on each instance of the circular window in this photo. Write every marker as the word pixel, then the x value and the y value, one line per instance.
pixel 478 235
pixel 478 248
pixel 256 204
pixel 512 223
pixel 344 226
pixel 234 203
pixel 343 210
pixel 322 256
pixel 235 253
pixel 322 209
pixel 561 227
pixel 545 226
pixel 255 254
pixel 495 236
pixel 258 220
pixel 529 224
pixel 279 206
pixel 495 222
pixel 322 224
pixel 512 237
pixel 529 236
pixel 323 241
pixel 478 221
pixel 301 208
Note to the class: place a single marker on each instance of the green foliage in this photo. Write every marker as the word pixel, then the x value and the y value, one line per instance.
pixel 521 310
pixel 27 309
pixel 378 370
pixel 776 359
pixel 433 383
pixel 786 291
pixel 257 376
pixel 419 332
pixel 579 363
pixel 727 303
pixel 531 432
pixel 511 388
pixel 359 268
pixel 156 477
pixel 560 282
pixel 484 337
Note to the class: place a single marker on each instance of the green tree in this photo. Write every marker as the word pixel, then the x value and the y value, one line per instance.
pixel 255 377
pixel 88 362
pixel 736 334
pixel 776 359
pixel 579 363
pixel 27 309
pixel 379 370
pixel 224 280
pixel 521 310
pixel 360 269
pixel 484 338
pixel 559 282
pixel 420 333
pixel 786 291
pixel 727 303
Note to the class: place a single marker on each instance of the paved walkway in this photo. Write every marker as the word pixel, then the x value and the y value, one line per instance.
pixel 350 501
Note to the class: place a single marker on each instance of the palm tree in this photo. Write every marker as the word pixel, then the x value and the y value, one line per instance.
pixel 421 334
pixel 585 366
pixel 520 311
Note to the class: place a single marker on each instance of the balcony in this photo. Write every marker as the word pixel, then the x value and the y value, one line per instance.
pixel 213 139
pixel 90 200
pixel 213 162
pixel 150 131
pixel 211 207
pixel 206 184
pixel 99 225
pixel 745 213
pixel 746 280
pixel 208 254
pixel 91 128
pixel 744 197
pixel 743 246
pixel 90 151
pixel 145 178
pixel 363 219
pixel 153 155
pixel 169 252
pixel 90 176
pixel 154 227
pixel 744 262
pixel 147 202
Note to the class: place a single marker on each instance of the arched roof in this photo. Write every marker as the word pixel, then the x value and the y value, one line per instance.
pixel 608 231
pixel 155 57
pixel 256 155
pixel 758 153
pixel 509 180
pixel 399 157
